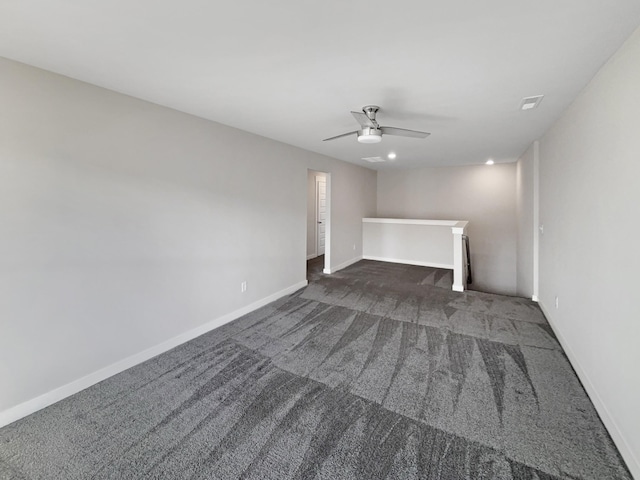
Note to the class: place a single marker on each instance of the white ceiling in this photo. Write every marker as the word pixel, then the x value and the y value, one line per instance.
pixel 292 70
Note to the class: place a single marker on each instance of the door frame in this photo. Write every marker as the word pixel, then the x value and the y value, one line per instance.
pixel 327 229
pixel 317 212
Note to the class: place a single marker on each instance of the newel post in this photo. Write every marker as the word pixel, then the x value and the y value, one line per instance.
pixel 459 278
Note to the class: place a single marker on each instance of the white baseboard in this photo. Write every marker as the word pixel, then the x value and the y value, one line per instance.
pixel 342 265
pixel 409 262
pixel 623 447
pixel 30 406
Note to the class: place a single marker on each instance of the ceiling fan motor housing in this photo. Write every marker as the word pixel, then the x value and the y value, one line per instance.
pixel 370 135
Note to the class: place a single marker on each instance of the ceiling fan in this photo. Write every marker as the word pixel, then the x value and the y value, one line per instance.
pixel 371 132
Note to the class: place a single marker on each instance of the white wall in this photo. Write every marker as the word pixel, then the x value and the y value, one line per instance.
pixel 589 255
pixel 524 215
pixel 484 195
pixel 124 224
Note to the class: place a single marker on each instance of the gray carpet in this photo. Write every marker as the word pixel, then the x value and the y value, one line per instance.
pixel 378 371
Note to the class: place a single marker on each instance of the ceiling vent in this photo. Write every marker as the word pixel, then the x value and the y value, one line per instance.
pixel 373 159
pixel 529 103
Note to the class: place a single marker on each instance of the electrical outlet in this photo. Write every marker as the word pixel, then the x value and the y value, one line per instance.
pixel 541 227
pixel 243 287
pixel 354 246
pixel 557 302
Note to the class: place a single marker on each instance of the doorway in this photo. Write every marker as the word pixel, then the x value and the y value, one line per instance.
pixel 321 213
pixel 318 223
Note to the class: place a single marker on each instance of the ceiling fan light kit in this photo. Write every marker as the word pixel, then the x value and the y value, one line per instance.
pixel 371 132
pixel 369 135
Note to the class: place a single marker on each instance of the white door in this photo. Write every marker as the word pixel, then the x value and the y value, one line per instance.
pixel 321 213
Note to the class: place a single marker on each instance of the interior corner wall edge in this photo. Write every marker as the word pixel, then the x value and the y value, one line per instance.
pixel 483 195
pixel 524 215
pixel 124 224
pixel 589 257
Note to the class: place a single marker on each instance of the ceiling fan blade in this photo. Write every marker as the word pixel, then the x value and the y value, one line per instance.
pixel 363 120
pixel 341 135
pixel 403 132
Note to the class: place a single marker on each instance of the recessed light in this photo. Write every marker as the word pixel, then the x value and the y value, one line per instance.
pixel 489 162
pixel 530 102
pixel 391 156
